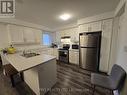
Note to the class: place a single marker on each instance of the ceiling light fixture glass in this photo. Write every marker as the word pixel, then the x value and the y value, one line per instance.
pixel 65 17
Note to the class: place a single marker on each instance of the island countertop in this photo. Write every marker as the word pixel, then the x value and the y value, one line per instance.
pixel 21 63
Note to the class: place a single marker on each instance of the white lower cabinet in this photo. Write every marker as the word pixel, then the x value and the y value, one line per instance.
pixel 74 57
pixel 41 78
pixel 55 53
pixel 50 51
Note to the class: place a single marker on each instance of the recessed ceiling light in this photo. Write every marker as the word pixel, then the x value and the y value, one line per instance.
pixel 65 17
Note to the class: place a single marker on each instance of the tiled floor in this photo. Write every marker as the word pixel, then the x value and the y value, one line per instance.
pixel 71 80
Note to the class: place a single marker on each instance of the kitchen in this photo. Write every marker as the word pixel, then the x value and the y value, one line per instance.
pixel 50 59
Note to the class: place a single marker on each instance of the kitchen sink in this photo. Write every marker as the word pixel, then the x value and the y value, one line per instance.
pixel 28 55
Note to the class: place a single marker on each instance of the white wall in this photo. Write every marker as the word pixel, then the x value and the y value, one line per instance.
pixel 114 43
pixel 122 43
pixel 3 35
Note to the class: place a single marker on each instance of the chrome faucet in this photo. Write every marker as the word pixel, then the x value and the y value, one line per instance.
pixel 24 52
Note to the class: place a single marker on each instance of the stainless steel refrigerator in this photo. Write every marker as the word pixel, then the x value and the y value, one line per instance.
pixel 89 50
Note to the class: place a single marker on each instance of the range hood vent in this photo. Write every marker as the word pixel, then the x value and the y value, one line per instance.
pixel 65 37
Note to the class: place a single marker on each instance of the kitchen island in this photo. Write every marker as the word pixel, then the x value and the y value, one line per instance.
pixel 39 71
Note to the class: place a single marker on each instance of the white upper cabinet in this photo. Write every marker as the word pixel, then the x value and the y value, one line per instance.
pixel 62 33
pixel 22 35
pixel 16 33
pixel 74 35
pixel 38 35
pixel 72 32
pixel 95 26
pixel 105 45
pixel 66 32
pixel 84 28
pixel 90 27
pixel 58 37
pixel 29 36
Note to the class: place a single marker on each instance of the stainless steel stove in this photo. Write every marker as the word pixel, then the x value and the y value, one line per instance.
pixel 64 53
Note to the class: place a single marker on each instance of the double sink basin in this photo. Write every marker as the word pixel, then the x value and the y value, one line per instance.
pixel 28 55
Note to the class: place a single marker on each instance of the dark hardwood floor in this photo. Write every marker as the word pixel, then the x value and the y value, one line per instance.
pixel 71 80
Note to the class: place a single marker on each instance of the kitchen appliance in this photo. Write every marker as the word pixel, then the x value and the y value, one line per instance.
pixel 89 50
pixel 64 53
pixel 75 46
pixel 65 39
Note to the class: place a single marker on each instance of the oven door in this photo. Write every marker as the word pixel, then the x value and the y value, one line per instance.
pixel 64 56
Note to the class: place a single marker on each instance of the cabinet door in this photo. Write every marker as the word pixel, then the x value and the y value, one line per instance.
pixel 74 57
pixel 75 35
pixel 62 34
pixel 105 45
pixel 84 28
pixel 38 36
pixel 71 57
pixel 55 53
pixel 16 33
pixel 77 57
pixel 67 32
pixel 95 26
pixel 58 37
pixel 44 51
pixel 29 35
pixel 50 51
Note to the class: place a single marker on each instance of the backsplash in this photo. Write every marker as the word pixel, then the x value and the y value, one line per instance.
pixel 29 47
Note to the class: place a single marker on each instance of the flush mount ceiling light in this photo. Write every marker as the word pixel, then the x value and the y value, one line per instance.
pixel 65 17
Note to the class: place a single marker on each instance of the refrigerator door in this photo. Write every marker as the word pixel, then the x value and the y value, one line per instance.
pixel 88 40
pixel 88 58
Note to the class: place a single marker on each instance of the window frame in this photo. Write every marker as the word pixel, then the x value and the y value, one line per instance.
pixel 50 39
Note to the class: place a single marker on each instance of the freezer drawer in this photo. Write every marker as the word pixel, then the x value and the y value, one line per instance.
pixel 88 58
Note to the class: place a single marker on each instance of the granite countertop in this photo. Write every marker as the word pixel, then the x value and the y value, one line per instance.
pixel 21 63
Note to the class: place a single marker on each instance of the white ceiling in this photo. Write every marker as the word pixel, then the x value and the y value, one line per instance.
pixel 46 12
